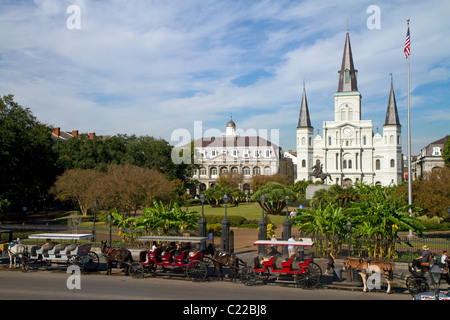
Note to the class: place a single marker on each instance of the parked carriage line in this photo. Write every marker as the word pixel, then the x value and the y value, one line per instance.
pixel 193 257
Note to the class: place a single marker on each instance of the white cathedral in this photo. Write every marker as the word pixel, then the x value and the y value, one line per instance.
pixel 349 151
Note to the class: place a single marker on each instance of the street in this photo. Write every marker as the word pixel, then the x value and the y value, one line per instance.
pixel 50 285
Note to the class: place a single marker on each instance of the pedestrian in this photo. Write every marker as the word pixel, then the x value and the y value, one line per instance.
pixel 293 213
pixel 444 259
pixel 291 248
pixel 330 262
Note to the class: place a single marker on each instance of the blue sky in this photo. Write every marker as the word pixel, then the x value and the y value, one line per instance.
pixel 152 67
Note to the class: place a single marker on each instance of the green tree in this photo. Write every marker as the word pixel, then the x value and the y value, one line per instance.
pixel 27 161
pixel 329 220
pixel 380 216
pixel 275 194
pixel 446 152
pixel 79 186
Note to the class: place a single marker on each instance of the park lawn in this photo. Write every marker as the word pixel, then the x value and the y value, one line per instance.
pixel 251 211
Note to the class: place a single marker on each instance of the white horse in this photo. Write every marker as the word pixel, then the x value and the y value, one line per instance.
pixel 16 249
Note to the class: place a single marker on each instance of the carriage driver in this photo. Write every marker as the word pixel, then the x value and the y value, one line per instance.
pixel 424 258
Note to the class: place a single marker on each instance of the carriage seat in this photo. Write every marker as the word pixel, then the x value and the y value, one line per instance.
pixel 286 265
pixel 182 258
pixel 60 247
pixel 156 254
pixel 168 256
pixel 36 250
pixel 70 248
pixel 48 249
pixel 304 263
pixel 271 262
pixel 196 255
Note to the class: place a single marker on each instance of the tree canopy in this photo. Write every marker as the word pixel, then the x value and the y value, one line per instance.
pixel 27 161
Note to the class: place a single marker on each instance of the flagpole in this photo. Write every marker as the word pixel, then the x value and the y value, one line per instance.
pixel 409 141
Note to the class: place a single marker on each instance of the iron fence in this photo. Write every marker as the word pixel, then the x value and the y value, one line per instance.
pixel 402 249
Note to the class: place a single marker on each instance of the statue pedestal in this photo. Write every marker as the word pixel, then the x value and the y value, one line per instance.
pixel 313 188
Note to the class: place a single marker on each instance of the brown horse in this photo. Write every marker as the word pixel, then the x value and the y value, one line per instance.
pixel 119 255
pixel 366 267
pixel 223 259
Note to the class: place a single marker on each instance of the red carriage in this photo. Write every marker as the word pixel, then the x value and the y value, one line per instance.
pixel 190 261
pixel 305 274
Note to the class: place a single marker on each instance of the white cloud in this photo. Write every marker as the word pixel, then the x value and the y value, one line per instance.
pixel 148 68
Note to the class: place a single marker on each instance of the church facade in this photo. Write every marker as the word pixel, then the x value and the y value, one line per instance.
pixel 348 151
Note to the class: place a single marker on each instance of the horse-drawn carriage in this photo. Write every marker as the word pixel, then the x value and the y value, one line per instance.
pixel 420 276
pixel 190 261
pixel 51 252
pixel 305 275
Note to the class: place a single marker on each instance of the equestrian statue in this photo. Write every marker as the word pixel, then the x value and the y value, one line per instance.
pixel 318 172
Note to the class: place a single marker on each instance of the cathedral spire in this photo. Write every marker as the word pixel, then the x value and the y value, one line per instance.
pixel 304 120
pixel 392 113
pixel 348 73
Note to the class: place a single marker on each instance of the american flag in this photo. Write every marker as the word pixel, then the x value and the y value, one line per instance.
pixel 406 49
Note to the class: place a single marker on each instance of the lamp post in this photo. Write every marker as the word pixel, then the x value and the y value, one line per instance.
pixel 262 235
pixel 95 217
pixel 225 238
pixel 110 221
pixel 349 229
pixel 286 228
pixel 436 276
pixel 202 220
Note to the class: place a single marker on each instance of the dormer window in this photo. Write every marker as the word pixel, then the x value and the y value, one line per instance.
pixel 436 151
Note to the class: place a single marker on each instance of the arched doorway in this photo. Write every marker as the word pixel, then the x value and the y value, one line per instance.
pixel 347 182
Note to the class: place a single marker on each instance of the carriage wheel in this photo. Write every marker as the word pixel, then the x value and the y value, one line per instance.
pixel 416 285
pixel 264 276
pixel 248 276
pixel 136 270
pixel 309 277
pixel 94 261
pixel 209 263
pixel 24 264
pixel 196 271
pixel 76 260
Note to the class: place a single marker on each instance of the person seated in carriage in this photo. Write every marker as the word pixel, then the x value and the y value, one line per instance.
pixel 445 261
pixel 424 259
pixel 258 261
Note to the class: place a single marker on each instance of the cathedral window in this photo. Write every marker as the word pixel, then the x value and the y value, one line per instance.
pixel 303 141
pixel 303 163
pixel 349 164
pixel 364 140
pixel 377 164
pixel 392 163
pixel 344 164
pixel 329 141
pixel 391 139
